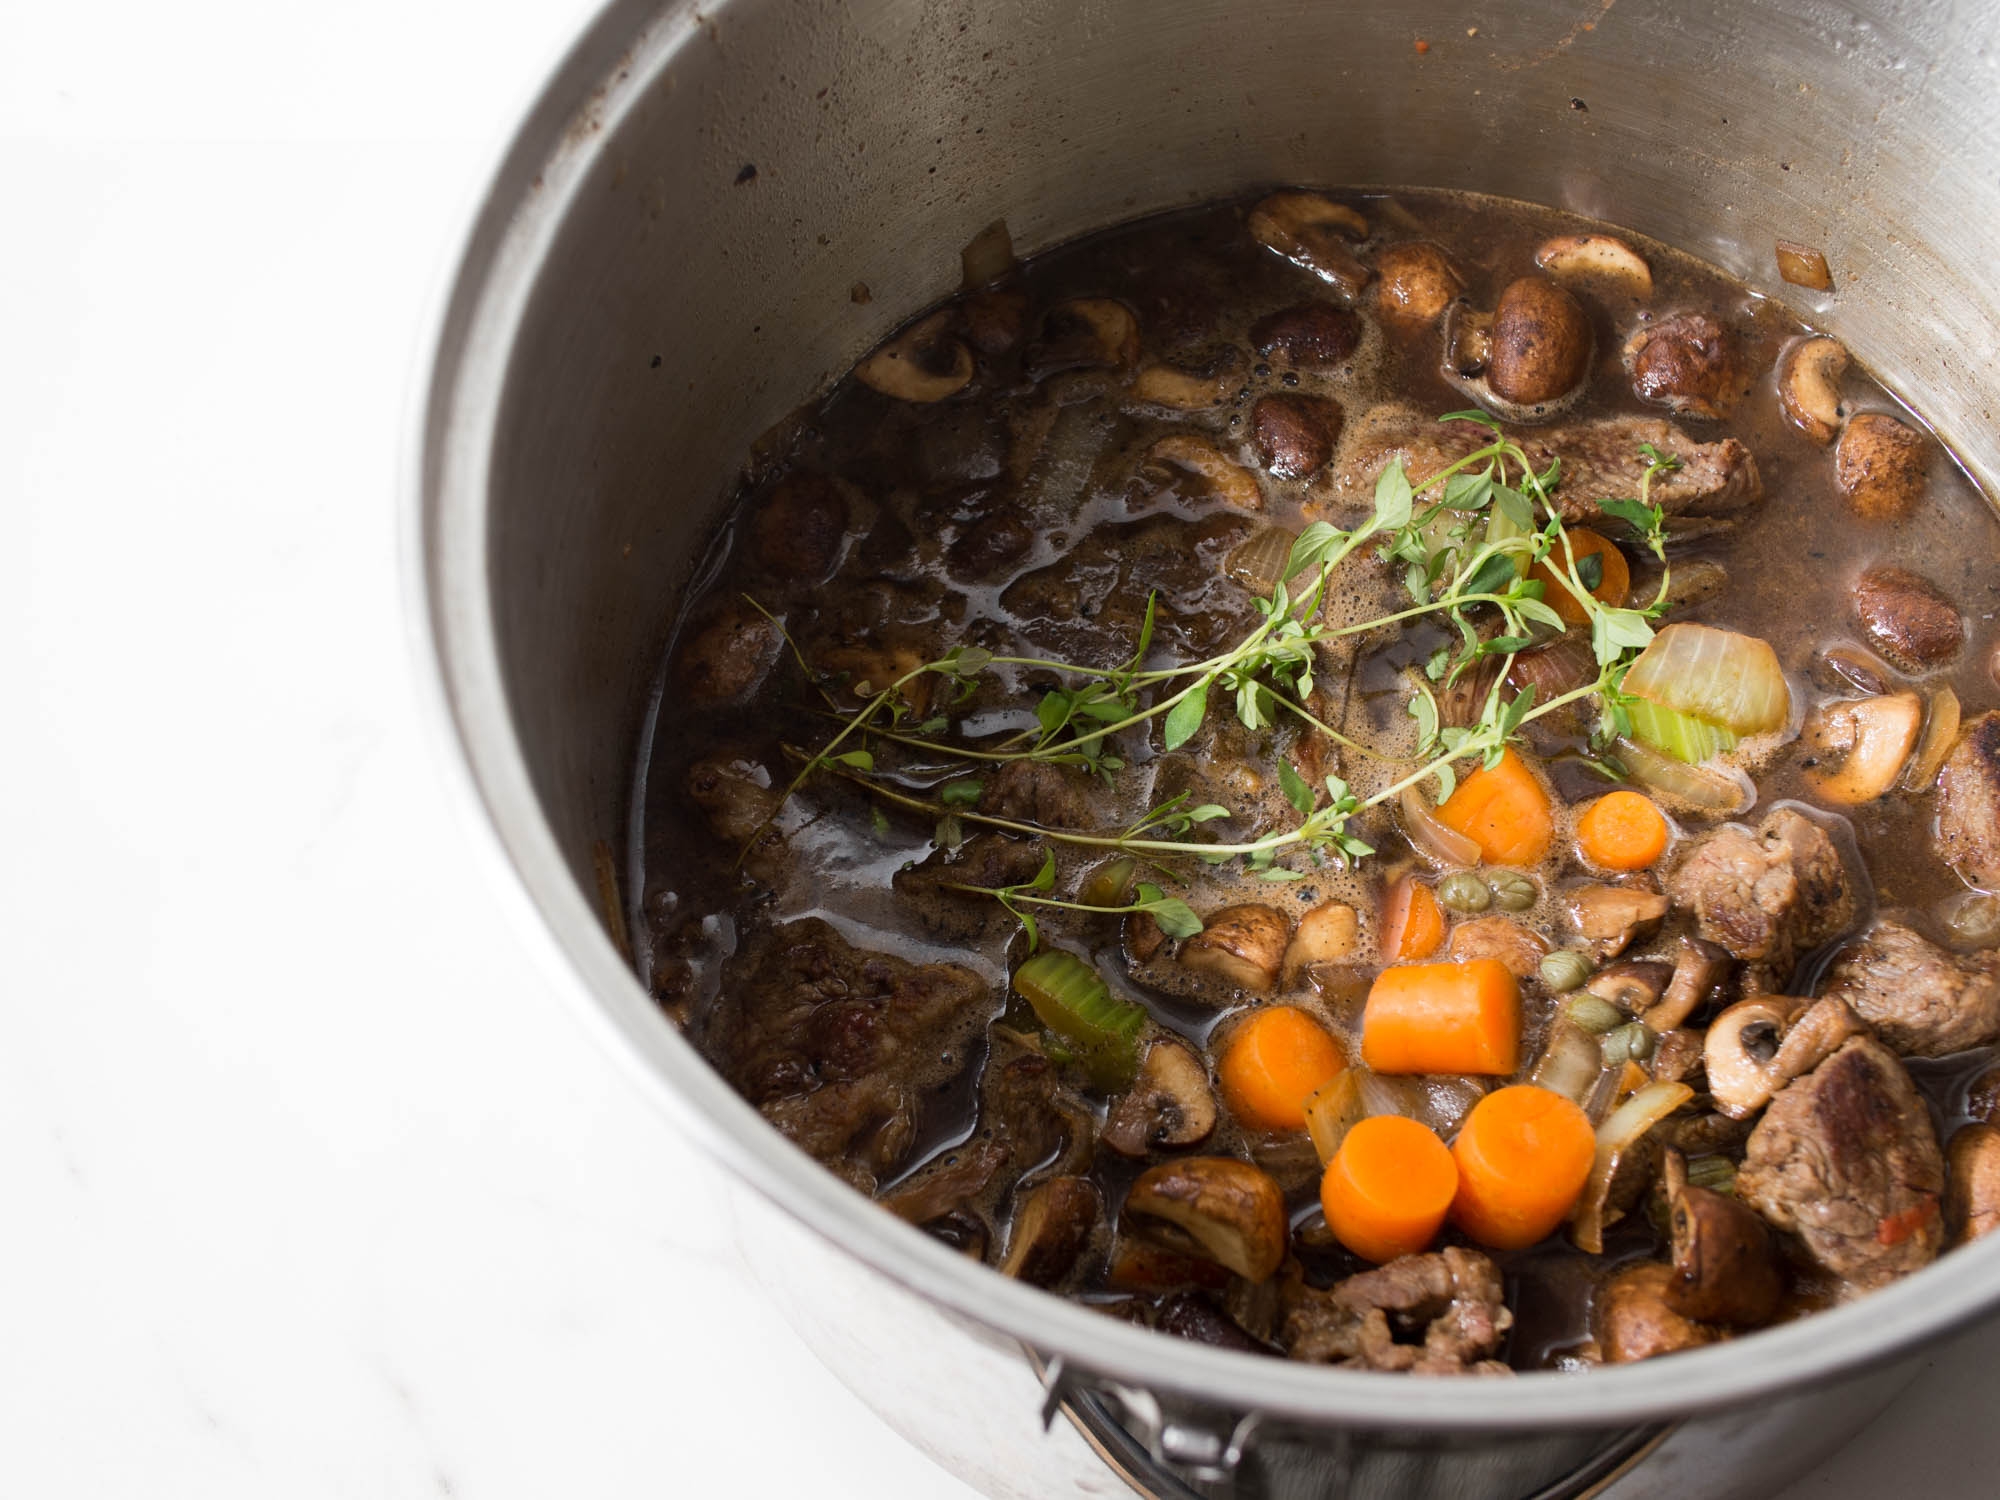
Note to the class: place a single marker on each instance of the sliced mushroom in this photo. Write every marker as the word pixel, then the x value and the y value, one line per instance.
pixel 1051 1227
pixel 1910 618
pixel 1687 364
pixel 1417 281
pixel 1230 482
pixel 1881 466
pixel 923 363
pixel 1612 917
pixel 1084 333
pixel 1699 966
pixel 1533 358
pixel 1809 386
pixel 1677 1058
pixel 1634 986
pixel 1972 1188
pixel 1859 745
pixel 1757 1046
pixel 1309 335
pixel 1243 945
pixel 1213 1206
pixel 1171 1104
pixel 1295 434
pixel 1312 233
pixel 1209 377
pixel 1725 1263
pixel 1633 1321
pixel 1501 938
pixel 1596 257
pixel 1327 934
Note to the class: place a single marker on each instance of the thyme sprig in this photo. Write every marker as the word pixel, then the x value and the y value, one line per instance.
pixel 1468 537
pixel 1175 916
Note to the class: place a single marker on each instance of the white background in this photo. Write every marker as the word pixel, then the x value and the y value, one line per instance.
pixel 310 1187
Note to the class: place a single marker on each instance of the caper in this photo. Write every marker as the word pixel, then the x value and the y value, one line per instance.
pixel 1512 891
pixel 1565 970
pixel 1596 1016
pixel 1629 1043
pixel 1716 1173
pixel 1975 921
pixel 1463 891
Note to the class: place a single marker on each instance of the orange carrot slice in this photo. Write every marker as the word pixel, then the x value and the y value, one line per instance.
pixel 1622 831
pixel 1504 811
pixel 1412 922
pixel 1388 1189
pixel 1524 1154
pixel 1274 1060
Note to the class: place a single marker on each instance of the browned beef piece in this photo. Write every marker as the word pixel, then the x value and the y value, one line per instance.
pixel 1846 1158
pixel 1770 897
pixel 1038 792
pixel 834 1044
pixel 798 530
pixel 1921 1000
pixel 987 859
pixel 1600 461
pixel 1448 1309
pixel 1968 815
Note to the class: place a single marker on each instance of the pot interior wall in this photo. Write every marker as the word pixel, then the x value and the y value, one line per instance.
pixel 730 179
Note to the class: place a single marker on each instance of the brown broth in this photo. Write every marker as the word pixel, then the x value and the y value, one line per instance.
pixel 1062 456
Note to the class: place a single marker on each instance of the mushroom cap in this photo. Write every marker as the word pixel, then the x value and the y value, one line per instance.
pixel 1635 985
pixel 1231 482
pixel 1725 1263
pixel 1634 1322
pixel 1417 281
pixel 1326 934
pixel 1541 343
pixel 1244 945
pixel 1311 232
pixel 1295 433
pixel 1051 1227
pixel 1213 1206
pixel 1972 1189
pixel 1602 258
pixel 923 363
pixel 1171 1103
pixel 1882 466
pixel 1809 386
pixel 1860 745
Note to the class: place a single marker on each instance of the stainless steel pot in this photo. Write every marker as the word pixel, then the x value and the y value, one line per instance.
pixel 662 269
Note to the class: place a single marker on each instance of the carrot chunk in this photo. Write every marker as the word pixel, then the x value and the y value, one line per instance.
pixel 1614 583
pixel 1621 831
pixel 1412 922
pixel 1504 811
pixel 1524 1154
pixel 1388 1189
pixel 1443 1018
pixel 1274 1060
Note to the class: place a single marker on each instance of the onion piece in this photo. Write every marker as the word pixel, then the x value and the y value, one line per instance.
pixel 1728 679
pixel 1259 562
pixel 1446 845
pixel 1940 734
pixel 1622 1129
pixel 1711 789
pixel 1571 1064
pixel 1561 666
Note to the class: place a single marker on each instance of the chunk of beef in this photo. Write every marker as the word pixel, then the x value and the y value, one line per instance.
pixel 1769 897
pixel 740 804
pixel 1846 1159
pixel 834 1044
pixel 797 532
pixel 1921 1000
pixel 727 656
pixel 1968 815
pixel 1449 1308
pixel 1039 792
pixel 1600 460
pixel 988 860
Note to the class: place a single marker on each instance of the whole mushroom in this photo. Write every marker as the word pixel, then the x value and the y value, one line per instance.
pixel 1243 945
pixel 1170 1104
pixel 1633 1320
pixel 1882 466
pixel 1687 364
pixel 1528 359
pixel 1759 1044
pixel 1725 1263
pixel 1417 281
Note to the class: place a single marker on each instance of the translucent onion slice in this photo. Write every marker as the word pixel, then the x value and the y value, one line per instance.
pixel 1258 563
pixel 1446 845
pixel 1720 791
pixel 1940 734
pixel 1622 1129
pixel 1728 679
pixel 1571 1063
pixel 1552 670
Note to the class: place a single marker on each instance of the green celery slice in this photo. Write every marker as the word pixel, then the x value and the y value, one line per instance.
pixel 1071 1000
pixel 1680 735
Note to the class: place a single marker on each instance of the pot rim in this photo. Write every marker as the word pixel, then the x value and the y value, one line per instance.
pixel 464 706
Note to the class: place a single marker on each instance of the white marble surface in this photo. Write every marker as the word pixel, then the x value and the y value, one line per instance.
pixel 311 1188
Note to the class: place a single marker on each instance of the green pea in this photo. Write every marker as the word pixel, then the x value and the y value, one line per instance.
pixel 1464 891
pixel 1565 970
pixel 1512 891
pixel 1598 1017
